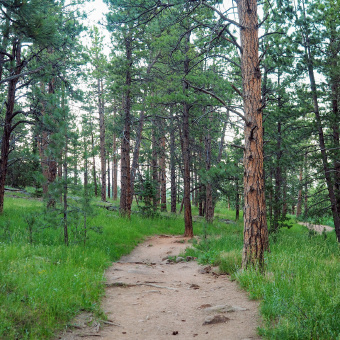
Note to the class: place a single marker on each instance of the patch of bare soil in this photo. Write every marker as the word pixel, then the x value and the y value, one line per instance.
pixel 317 227
pixel 150 298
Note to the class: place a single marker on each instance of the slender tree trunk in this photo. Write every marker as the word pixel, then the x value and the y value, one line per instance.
pixel 324 157
pixel 255 222
pixel 209 214
pixel 162 165
pixel 237 200
pixel 334 49
pixel 102 138
pixel 154 165
pixel 284 199
pixel 94 167
pixel 135 159
pixel 125 197
pixel 189 232
pixel 173 169
pixel 271 194
pixel 86 180
pixel 115 166
pixel 299 204
pixel 65 195
pixel 278 183
pixel 108 178
pixel 305 212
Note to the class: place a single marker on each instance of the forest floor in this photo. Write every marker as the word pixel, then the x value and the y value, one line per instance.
pixel 150 297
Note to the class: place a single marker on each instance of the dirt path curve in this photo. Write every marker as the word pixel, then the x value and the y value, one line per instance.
pixel 317 227
pixel 150 299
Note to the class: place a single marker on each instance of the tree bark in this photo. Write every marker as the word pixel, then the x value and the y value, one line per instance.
pixel 255 222
pixel 189 232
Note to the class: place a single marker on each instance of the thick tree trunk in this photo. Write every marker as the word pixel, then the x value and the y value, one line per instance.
pixel 255 222
pixel 102 138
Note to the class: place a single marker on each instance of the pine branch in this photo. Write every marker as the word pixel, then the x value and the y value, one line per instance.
pixel 219 99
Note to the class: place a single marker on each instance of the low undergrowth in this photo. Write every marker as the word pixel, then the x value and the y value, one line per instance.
pixel 300 288
pixel 44 283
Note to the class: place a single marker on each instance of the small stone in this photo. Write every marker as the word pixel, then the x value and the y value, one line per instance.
pixel 194 286
pixel 179 259
pixel 206 305
pixel 205 270
pixel 211 320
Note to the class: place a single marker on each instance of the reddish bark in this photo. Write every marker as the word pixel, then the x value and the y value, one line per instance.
pixel 255 222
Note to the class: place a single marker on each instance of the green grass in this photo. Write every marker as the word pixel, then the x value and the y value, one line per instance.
pixel 44 284
pixel 300 288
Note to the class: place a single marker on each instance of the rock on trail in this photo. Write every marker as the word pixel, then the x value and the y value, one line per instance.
pixel 150 298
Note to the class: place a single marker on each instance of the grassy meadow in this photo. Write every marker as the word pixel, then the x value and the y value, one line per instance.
pixel 43 283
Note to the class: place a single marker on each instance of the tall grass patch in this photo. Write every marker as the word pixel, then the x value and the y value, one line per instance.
pixel 300 290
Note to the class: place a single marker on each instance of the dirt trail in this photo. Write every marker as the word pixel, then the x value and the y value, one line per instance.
pixel 317 227
pixel 150 299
